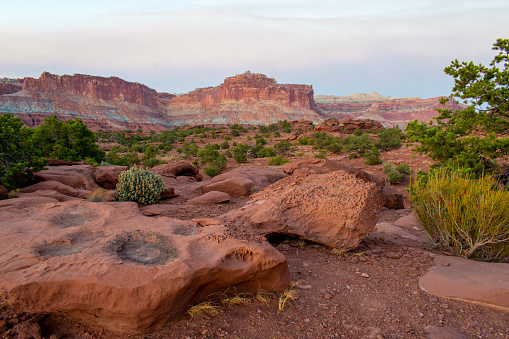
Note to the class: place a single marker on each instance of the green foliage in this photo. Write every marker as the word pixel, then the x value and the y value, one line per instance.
pixel 466 215
pixel 189 149
pixel 389 138
pixel 128 159
pixel 395 174
pixel 278 161
pixel 225 145
pixel 261 141
pixel 266 152
pixel 283 147
pixel 66 141
pixel 235 133
pixel 372 157
pixel 238 127
pixel 357 132
pixel 19 156
pixel 240 153
pixel 211 156
pixel 211 171
pixel 359 144
pixel 139 185
pixel 451 141
pixel 277 134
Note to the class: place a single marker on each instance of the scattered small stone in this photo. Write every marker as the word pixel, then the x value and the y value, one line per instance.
pixel 364 285
pixel 307 320
pixel 364 275
pixel 393 255
pixel 445 264
pixel 305 264
pixel 363 259
pixel 282 323
pixel 445 306
pixel 328 296
pixel 304 287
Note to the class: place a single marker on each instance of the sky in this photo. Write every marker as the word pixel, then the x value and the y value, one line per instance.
pixel 394 47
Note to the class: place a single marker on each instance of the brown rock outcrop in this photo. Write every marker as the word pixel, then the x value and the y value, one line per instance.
pixel 8 88
pixel 133 275
pixel 335 209
pixel 348 126
pixel 107 176
pixel 78 176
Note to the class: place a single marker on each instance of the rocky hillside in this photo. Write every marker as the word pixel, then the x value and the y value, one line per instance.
pixel 248 99
pixel 389 111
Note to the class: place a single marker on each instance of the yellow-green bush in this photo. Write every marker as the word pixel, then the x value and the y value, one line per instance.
pixel 139 185
pixel 467 215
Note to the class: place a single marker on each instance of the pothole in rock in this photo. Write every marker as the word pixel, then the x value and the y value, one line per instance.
pixel 186 230
pixel 73 217
pixel 146 248
pixel 71 244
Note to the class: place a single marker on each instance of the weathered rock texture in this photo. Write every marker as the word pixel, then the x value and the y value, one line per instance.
pixel 250 99
pixel 335 209
pixel 108 265
pixel 460 278
pixel 388 111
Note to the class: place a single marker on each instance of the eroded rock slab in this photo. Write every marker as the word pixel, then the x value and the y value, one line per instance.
pixel 335 209
pixel 460 278
pixel 107 264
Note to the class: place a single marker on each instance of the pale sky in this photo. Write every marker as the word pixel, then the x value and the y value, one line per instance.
pixel 396 48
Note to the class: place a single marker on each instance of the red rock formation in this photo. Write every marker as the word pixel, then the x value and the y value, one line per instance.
pixel 7 88
pixel 112 88
pixel 246 98
pixel 348 126
pixel 389 111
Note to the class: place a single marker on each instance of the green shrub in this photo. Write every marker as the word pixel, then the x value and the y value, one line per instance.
pixel 394 177
pixel 466 215
pixel 139 185
pixel 373 157
pixel 283 147
pixel 404 168
pixel 261 141
pixel 211 171
pixel 278 161
pixel 240 153
pixel 19 155
pixel 389 138
pixel 235 133
pixel 387 167
pixel 266 152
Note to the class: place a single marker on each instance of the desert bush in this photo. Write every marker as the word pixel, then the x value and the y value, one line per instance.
pixel 404 168
pixel 139 185
pixel 467 215
pixel 235 133
pixel 395 174
pixel 240 153
pixel 389 138
pixel 211 171
pixel 278 161
pixel 283 147
pixel 372 157
pixel 266 152
pixel 19 156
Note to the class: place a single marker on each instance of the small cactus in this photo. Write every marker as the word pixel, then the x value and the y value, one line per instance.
pixel 139 185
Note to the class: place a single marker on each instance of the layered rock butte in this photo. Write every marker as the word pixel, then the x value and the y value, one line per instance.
pixel 248 99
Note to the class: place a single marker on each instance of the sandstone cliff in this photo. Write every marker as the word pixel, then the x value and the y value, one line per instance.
pixel 389 111
pixel 250 99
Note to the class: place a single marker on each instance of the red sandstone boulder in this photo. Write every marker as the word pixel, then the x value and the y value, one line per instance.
pixel 306 167
pixel 78 176
pixel 55 186
pixel 393 198
pixel 176 169
pixel 48 194
pixel 335 209
pixel 212 197
pixel 107 176
pixel 235 186
pixel 260 176
pixel 136 274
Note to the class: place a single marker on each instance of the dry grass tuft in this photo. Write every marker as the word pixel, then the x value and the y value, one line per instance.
pixel 339 252
pixel 237 300
pixel 204 309
pixel 289 294
pixel 263 296
pixel 99 195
